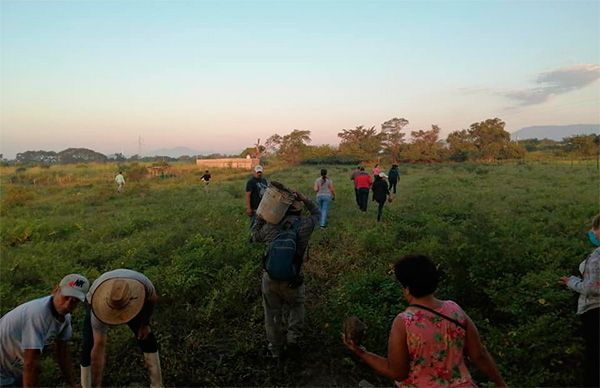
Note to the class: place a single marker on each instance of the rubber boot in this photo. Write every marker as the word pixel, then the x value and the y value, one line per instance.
pixel 153 364
pixel 86 377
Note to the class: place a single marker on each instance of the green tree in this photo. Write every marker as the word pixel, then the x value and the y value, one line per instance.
pixel 582 145
pixel 291 146
pixel 490 138
pixel 393 137
pixel 461 146
pixel 425 146
pixel 360 142
pixel 272 144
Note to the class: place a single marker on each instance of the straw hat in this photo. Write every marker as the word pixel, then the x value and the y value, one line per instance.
pixel 118 300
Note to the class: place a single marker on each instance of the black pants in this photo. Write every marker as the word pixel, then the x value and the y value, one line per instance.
pixel 393 186
pixel 380 209
pixel 148 345
pixel 363 199
pixel 356 195
pixel 591 335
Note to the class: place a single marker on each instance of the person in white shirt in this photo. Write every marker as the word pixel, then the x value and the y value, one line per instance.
pixel 117 297
pixel 28 328
pixel 120 180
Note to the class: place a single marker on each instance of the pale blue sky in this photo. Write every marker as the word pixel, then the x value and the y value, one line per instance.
pixel 216 75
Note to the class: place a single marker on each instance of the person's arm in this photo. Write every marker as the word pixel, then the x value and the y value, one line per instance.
pixel 31 367
pixel 248 208
pixel 145 314
pixel 315 212
pixel 63 358
pixel 479 355
pixel 396 366
pixel 590 284
pixel 98 357
pixel 332 190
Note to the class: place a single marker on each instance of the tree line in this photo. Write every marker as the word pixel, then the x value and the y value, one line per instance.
pixel 486 141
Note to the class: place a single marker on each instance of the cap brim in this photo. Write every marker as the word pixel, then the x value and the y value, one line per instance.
pixel 70 291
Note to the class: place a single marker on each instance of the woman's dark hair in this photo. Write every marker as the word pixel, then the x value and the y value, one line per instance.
pixel 418 273
pixel 324 174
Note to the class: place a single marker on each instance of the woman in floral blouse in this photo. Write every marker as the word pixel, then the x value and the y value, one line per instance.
pixel 428 341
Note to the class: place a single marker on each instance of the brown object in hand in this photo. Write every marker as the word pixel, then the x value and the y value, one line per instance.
pixel 354 329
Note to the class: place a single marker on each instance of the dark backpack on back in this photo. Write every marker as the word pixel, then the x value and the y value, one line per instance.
pixel 281 260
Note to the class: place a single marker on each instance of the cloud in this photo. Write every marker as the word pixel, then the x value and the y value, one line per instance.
pixel 556 82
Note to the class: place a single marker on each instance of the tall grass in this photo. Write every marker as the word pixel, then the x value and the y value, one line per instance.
pixel 502 234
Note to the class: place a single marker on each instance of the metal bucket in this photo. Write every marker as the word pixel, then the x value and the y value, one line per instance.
pixel 274 204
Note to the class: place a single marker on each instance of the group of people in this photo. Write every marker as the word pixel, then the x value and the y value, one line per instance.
pixel 429 340
pixel 427 345
pixel 382 192
pixel 121 296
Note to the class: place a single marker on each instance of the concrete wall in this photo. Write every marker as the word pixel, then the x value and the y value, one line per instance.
pixel 242 163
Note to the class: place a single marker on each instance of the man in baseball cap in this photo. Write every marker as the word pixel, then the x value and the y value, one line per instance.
pixel 117 297
pixel 255 188
pixel 25 330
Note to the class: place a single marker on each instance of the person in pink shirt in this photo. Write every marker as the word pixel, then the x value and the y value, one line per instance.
pixel 376 170
pixel 429 340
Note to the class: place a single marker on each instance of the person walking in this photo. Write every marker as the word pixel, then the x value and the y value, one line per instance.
pixel 325 194
pixel 380 193
pixel 121 296
pixel 120 180
pixel 285 293
pixel 416 355
pixel 376 170
pixel 206 180
pixel 393 177
pixel 353 175
pixel 255 188
pixel 363 184
pixel 588 305
pixel 25 330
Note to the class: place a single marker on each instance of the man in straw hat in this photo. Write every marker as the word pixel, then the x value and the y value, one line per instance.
pixel 121 296
pixel 278 294
pixel 25 330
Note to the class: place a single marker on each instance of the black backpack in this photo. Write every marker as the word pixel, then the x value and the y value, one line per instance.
pixel 281 262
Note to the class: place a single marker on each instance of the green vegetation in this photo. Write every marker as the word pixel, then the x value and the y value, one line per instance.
pixel 502 234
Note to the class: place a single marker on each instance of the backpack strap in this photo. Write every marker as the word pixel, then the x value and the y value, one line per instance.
pixel 457 323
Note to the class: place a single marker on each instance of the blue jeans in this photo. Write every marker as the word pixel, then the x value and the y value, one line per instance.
pixel 324 201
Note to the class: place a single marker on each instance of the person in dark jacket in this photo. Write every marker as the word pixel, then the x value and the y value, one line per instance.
pixel 380 192
pixel 393 177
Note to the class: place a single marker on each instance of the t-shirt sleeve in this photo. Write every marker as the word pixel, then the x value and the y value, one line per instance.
pixel 249 186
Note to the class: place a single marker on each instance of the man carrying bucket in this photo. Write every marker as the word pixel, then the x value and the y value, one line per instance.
pixel 279 293
pixel 255 188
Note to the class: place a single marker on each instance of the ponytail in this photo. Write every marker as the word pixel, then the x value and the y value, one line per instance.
pixel 324 174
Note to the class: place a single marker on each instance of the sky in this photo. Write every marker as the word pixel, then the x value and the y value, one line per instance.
pixel 215 76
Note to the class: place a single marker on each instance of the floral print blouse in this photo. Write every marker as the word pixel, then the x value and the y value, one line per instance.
pixel 435 347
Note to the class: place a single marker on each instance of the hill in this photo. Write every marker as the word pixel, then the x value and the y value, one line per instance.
pixel 173 152
pixel 555 132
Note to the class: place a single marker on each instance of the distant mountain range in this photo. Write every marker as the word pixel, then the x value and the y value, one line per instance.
pixel 555 132
pixel 173 152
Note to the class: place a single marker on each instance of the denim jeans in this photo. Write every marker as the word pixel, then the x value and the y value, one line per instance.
pixel 324 201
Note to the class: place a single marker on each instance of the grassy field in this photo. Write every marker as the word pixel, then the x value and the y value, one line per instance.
pixel 503 235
